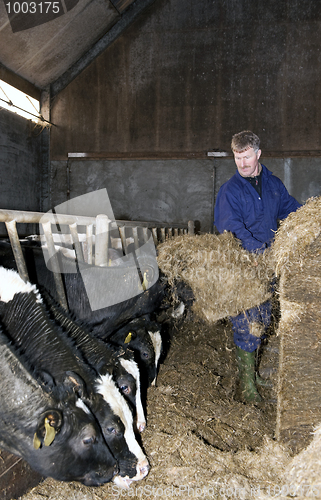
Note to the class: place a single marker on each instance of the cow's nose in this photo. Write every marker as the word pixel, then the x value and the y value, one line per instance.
pixel 144 470
pixel 116 470
pixel 141 426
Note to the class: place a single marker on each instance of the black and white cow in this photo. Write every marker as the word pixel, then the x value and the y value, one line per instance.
pixel 57 436
pixel 28 324
pixel 112 323
pixel 143 336
pixel 102 323
pixel 104 357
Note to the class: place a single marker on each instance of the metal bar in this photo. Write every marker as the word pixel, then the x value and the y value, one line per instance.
pixel 76 243
pixel 122 232
pixel 68 179
pixel 40 117
pixel 102 240
pixel 149 224
pixel 17 251
pixel 54 259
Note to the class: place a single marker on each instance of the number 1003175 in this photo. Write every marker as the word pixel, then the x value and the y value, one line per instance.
pixel 33 7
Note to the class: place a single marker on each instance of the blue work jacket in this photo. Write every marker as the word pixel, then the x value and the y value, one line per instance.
pixel 250 217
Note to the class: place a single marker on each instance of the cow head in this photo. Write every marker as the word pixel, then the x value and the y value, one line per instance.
pixel 140 335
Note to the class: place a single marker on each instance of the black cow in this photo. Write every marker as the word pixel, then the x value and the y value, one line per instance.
pixel 46 346
pixel 46 428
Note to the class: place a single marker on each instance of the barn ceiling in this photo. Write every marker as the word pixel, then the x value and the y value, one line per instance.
pixel 49 43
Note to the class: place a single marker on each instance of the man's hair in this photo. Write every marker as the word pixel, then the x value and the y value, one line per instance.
pixel 245 140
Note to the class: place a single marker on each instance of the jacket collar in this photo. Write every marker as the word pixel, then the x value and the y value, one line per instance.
pixel 265 172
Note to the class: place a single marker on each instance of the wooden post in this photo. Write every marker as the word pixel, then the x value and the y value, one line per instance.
pixel 102 240
pixel 16 248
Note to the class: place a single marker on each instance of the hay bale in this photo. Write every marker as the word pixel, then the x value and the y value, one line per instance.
pixel 304 471
pixel 300 279
pixel 225 278
pixel 296 257
pixel 297 232
pixel 299 383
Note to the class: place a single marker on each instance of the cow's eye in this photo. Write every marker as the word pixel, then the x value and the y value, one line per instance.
pixel 125 389
pixel 145 355
pixel 89 440
pixel 111 430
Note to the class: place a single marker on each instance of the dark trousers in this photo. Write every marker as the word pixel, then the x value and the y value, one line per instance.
pixel 241 326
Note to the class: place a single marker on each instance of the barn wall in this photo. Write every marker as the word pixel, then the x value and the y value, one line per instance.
pixel 23 165
pixel 187 75
pixel 21 171
pixel 183 78
pixel 171 191
pixel 168 191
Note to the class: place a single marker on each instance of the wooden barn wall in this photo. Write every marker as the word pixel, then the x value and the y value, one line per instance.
pixel 187 75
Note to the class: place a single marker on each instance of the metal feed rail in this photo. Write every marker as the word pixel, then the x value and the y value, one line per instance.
pixel 97 228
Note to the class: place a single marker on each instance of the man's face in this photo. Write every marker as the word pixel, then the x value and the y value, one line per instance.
pixel 247 162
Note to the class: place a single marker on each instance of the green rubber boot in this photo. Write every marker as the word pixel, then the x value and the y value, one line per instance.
pixel 262 381
pixel 246 366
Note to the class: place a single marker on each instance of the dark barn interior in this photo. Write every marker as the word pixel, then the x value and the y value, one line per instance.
pixel 142 97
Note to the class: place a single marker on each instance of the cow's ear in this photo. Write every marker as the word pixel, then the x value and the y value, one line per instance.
pixel 45 379
pixel 75 383
pixel 47 428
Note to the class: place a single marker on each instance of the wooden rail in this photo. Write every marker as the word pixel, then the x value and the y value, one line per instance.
pixel 89 237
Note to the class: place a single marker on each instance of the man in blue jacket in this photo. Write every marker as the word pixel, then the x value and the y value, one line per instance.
pixel 250 205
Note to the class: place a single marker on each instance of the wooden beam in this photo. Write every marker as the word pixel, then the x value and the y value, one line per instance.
pixel 121 5
pixel 139 156
pixel 16 476
pixel 181 155
pixel 19 83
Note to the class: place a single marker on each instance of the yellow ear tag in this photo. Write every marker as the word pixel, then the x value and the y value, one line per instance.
pixel 128 338
pixel 36 442
pixel 50 433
